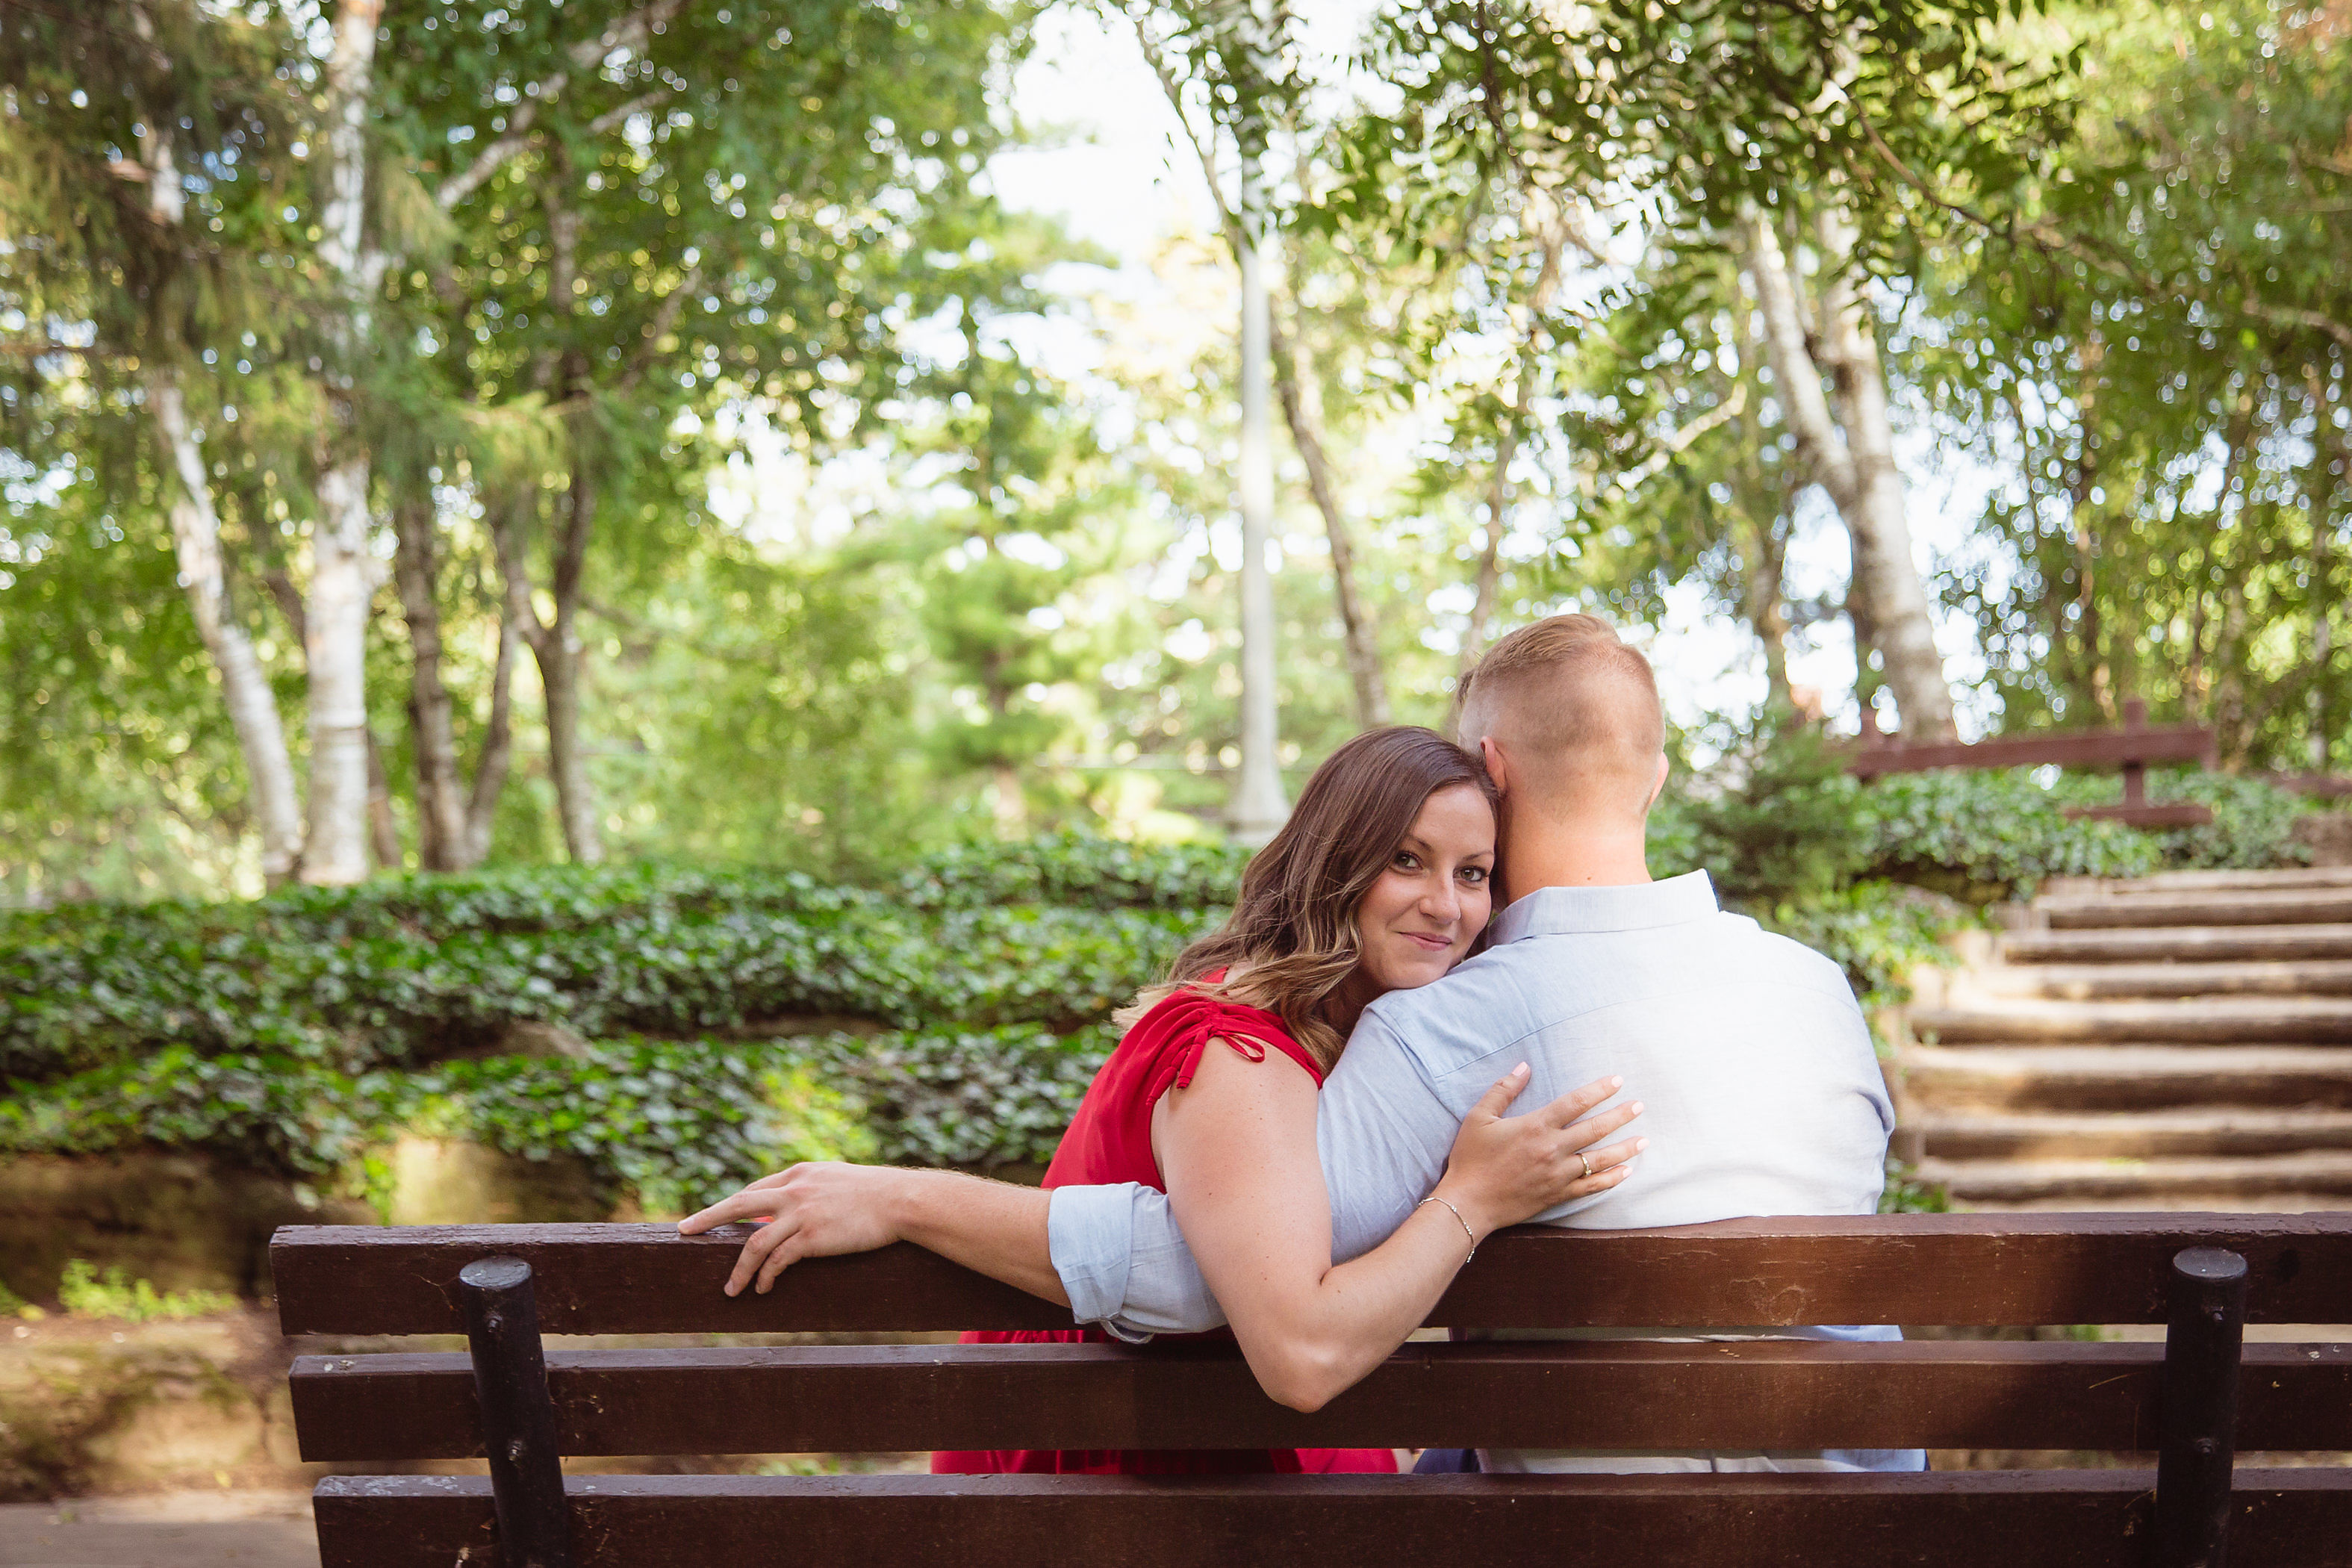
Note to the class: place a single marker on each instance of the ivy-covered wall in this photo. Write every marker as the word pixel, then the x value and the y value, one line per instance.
pixel 680 1030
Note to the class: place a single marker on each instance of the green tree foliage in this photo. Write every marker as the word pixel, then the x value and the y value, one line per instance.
pixel 2153 340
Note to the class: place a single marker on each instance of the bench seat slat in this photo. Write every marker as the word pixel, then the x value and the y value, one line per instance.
pixel 1901 1269
pixel 1599 1395
pixel 2078 1519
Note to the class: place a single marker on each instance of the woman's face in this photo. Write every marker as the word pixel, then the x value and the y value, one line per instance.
pixel 1433 899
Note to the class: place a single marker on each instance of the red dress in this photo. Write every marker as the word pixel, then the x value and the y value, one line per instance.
pixel 1109 1140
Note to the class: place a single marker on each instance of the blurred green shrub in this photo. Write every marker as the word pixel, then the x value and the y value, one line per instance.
pixel 85 1293
pixel 1904 1193
pixel 1079 870
pixel 1773 820
pixel 673 1123
pixel 1992 834
pixel 77 995
pixel 303 1032
pixel 1877 932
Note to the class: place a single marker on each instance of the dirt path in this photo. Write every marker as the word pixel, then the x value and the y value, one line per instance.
pixel 219 1530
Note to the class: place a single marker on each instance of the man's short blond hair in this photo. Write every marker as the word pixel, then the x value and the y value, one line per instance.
pixel 1576 707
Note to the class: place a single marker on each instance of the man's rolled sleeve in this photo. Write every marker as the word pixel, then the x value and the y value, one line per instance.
pixel 1124 1262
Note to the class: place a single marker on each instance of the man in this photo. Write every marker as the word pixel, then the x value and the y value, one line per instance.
pixel 1594 969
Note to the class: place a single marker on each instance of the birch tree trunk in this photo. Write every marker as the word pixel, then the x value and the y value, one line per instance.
pixel 1553 232
pixel 441 836
pixel 1487 587
pixel 342 574
pixel 244 684
pixel 1854 463
pixel 1302 411
pixel 498 742
pixel 557 647
pixel 1762 567
pixel 1259 807
pixel 560 660
pixel 196 541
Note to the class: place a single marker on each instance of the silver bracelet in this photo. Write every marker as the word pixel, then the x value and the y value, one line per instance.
pixel 1456 1212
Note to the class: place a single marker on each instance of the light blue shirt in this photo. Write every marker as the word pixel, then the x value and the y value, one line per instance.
pixel 1762 1091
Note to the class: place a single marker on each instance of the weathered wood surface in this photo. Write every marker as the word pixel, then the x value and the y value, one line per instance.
pixel 1905 1268
pixel 2065 1518
pixel 2165 943
pixel 2098 982
pixel 2198 1020
pixel 2199 881
pixel 2096 749
pixel 2255 907
pixel 1599 1395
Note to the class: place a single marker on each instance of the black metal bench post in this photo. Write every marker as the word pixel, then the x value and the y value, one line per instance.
pixel 518 1415
pixel 2203 1347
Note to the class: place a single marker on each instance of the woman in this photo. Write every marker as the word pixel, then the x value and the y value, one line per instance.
pixel 1380 880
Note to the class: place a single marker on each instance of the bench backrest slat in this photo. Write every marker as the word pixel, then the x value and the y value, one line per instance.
pixel 1604 1394
pixel 2077 1518
pixel 2023 1269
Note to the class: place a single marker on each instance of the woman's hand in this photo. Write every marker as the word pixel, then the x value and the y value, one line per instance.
pixel 1507 1168
pixel 818 1209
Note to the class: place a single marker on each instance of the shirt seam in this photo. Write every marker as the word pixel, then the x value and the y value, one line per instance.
pixel 1840 993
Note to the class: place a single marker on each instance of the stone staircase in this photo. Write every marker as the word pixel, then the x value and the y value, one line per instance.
pixel 2181 1041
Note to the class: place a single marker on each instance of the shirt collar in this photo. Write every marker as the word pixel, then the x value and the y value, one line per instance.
pixel 1563 911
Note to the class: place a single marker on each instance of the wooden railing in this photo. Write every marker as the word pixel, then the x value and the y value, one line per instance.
pixel 2131 748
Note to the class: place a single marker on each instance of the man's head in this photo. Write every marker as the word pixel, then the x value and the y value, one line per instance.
pixel 1573 714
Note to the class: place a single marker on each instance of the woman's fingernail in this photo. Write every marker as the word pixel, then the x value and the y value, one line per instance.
pixel 1640 1144
pixel 1520 1070
pixel 1616 1083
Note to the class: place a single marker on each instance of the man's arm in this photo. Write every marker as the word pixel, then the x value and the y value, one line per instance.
pixel 1383 1136
pixel 1123 1263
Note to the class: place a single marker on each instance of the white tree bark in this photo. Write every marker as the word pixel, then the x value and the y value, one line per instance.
pixel 244 684
pixel 195 540
pixel 1554 229
pixel 1302 409
pixel 343 573
pixel 1855 464
pixel 1259 807
pixel 1487 589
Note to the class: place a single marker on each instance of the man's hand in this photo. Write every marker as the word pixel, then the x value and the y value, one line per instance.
pixel 818 1209
pixel 1507 1168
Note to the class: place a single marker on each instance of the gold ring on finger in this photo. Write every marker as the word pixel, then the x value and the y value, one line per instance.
pixel 1588 1166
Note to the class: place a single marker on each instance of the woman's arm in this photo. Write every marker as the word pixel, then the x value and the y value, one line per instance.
pixel 822 1208
pixel 1308 1328
pixel 1238 1150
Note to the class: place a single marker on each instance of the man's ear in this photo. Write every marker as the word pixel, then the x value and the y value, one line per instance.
pixel 1657 787
pixel 1497 769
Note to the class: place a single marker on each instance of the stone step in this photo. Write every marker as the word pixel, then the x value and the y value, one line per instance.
pixel 2275 943
pixel 2266 906
pixel 2229 1130
pixel 2155 1184
pixel 2198 1020
pixel 2098 982
pixel 2297 877
pixel 1941 1079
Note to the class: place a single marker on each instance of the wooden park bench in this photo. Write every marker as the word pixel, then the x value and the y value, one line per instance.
pixel 2197 1399
pixel 2131 749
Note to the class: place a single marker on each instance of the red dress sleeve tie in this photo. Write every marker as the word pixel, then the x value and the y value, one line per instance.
pixel 1175 1032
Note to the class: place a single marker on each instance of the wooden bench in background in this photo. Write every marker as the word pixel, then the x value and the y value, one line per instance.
pixel 2197 1399
pixel 2131 749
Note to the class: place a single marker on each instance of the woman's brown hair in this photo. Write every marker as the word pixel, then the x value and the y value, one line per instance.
pixel 1291 939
